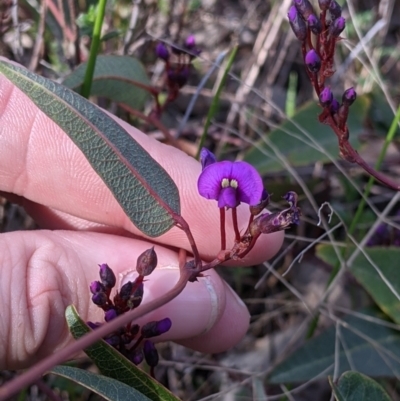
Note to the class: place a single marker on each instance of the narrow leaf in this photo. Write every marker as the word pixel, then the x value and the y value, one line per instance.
pixel 386 259
pixel 354 386
pixel 108 388
pixel 112 364
pixel 141 186
pixel 118 78
pixel 291 141
pixel 378 357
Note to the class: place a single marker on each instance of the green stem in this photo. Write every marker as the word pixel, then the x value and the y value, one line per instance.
pixel 215 102
pixel 388 140
pixel 94 49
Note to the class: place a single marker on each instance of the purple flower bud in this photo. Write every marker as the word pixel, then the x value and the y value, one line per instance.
pixel 113 340
pixel 206 158
pixel 190 42
pixel 337 27
pixel 178 76
pixel 100 299
pixel 304 8
pixel 312 60
pixel 325 97
pixel 150 353
pixel 107 276
pixel 153 329
pixel 349 96
pixel 146 262
pixel 130 296
pixel 297 24
pixel 136 356
pixel 264 202
pixel 110 315
pixel 335 10
pixel 324 4
pixel 96 287
pixel 334 106
pixel 93 326
pixel 162 51
pixel 314 24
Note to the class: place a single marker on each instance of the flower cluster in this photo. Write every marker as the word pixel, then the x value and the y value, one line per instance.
pixel 318 53
pixel 177 64
pixel 233 183
pixel 132 341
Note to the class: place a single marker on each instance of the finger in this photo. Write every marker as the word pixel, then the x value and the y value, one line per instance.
pixel 39 162
pixel 42 272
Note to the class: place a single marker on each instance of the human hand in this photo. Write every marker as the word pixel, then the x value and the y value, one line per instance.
pixel 42 272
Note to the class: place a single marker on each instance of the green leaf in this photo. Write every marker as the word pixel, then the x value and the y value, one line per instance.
pixel 297 149
pixel 113 364
pixel 108 388
pixel 353 386
pixel 387 261
pixel 317 356
pixel 145 191
pixel 117 78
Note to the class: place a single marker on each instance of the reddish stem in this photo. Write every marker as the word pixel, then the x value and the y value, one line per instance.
pixel 222 227
pixel 235 224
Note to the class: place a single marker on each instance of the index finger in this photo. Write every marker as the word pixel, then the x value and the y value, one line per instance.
pixel 39 162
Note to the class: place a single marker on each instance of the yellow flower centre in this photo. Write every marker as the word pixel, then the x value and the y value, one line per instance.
pixel 229 183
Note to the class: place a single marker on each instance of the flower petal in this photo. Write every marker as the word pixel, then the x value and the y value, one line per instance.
pixel 228 197
pixel 210 180
pixel 250 185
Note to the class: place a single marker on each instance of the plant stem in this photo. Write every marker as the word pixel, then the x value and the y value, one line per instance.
pixel 34 373
pixel 389 138
pixel 94 49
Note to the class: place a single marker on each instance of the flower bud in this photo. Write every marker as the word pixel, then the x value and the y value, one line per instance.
pixel 130 296
pixel 162 51
pixel 96 287
pixel 304 8
pixel 291 198
pixel 324 4
pixel 190 42
pixel 107 276
pixel 93 326
pixel 325 97
pixel 146 262
pixel 179 76
pixel 337 27
pixel 334 108
pixel 206 158
pixel 100 299
pixel 136 356
pixel 110 315
pixel 264 202
pixel 349 96
pixel 297 24
pixel 314 24
pixel 113 340
pixel 150 353
pixel 335 10
pixel 312 60
pixel 153 329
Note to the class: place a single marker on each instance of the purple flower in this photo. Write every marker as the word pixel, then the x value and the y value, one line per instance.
pixel 96 287
pixel 162 51
pixel 153 329
pixel 315 24
pixel 337 27
pixel 190 42
pixel 231 183
pixel 325 97
pixel 107 276
pixel 150 353
pixel 304 8
pixel 313 61
pixel 349 96
pixel 297 24
pixel 334 108
pixel 206 158
pixel 335 10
